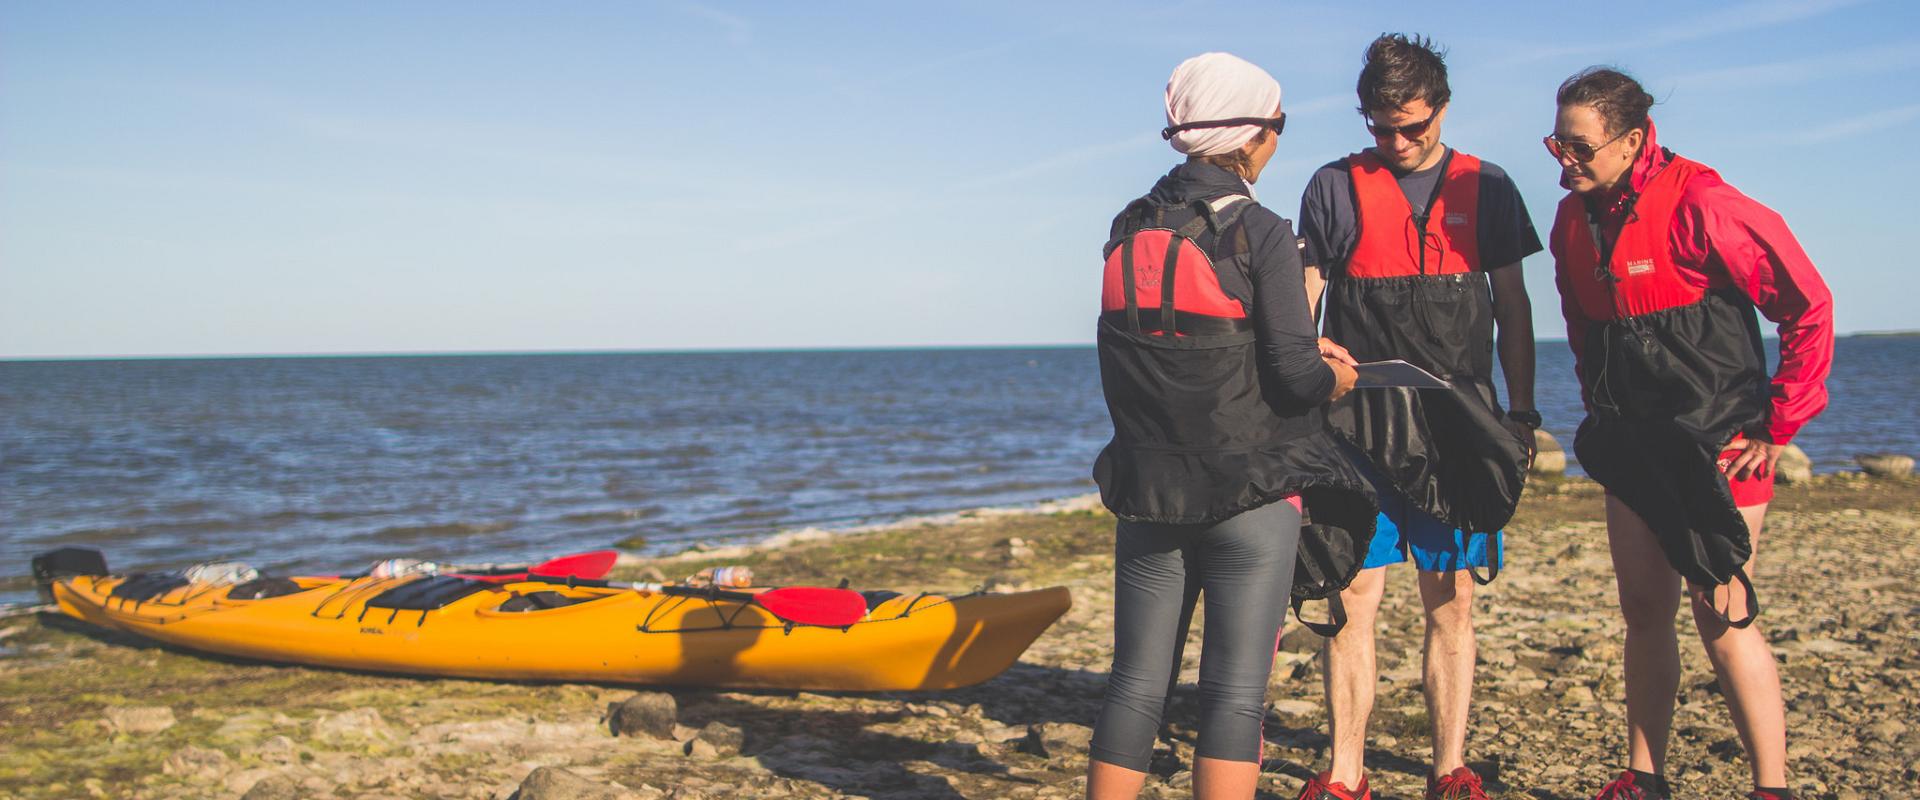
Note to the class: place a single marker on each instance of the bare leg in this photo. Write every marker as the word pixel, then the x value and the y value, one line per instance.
pixel 1113 782
pixel 1447 663
pixel 1743 661
pixel 1218 778
pixel 1649 597
pixel 1350 675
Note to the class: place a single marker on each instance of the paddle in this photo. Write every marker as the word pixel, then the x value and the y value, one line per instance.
pixel 591 564
pixel 800 605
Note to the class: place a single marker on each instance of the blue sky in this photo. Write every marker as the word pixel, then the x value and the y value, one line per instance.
pixel 229 178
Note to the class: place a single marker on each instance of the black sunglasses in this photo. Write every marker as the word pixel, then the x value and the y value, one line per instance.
pixel 1275 124
pixel 1411 130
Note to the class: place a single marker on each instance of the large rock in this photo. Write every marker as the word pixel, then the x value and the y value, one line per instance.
pixel 1550 459
pixel 1793 466
pixel 645 714
pixel 554 783
pixel 1885 465
pixel 139 719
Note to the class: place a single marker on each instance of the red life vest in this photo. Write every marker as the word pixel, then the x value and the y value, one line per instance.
pixel 1639 276
pixel 1386 244
pixel 1424 298
pixel 1137 267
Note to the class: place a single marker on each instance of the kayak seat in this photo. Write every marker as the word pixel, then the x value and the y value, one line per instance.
pixel 878 596
pixel 263 588
pixel 540 601
pixel 428 593
pixel 145 586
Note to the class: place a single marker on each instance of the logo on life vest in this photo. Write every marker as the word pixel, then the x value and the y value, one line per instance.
pixel 1455 219
pixel 1149 276
pixel 1640 266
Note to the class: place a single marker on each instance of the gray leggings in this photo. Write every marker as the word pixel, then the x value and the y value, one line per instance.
pixel 1244 568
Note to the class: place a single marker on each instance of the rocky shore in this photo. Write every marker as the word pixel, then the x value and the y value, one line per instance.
pixel 89 713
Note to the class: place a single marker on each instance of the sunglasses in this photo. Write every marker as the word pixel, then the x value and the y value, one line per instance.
pixel 1411 130
pixel 1275 124
pixel 1577 150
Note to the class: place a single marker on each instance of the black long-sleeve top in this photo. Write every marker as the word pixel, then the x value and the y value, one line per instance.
pixel 1273 290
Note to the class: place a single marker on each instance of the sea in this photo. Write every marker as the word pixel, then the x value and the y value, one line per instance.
pixel 324 464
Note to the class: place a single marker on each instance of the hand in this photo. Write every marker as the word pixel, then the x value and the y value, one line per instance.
pixel 1756 458
pixel 1343 375
pixel 1524 433
pixel 1334 352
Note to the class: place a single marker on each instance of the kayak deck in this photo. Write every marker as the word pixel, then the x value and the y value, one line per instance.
pixel 545 631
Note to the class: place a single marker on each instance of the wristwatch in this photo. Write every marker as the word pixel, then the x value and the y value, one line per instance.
pixel 1529 418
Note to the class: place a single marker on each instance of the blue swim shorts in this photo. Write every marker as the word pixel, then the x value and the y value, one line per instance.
pixel 1403 531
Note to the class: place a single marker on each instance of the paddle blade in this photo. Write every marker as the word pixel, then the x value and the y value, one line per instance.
pixel 592 564
pixel 814 605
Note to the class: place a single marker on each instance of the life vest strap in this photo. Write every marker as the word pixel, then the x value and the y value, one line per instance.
pixel 1188 324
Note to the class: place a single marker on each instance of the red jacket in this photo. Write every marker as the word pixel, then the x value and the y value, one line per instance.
pixel 1721 238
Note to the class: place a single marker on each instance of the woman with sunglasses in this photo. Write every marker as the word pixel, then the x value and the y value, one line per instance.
pixel 1661 265
pixel 1214 379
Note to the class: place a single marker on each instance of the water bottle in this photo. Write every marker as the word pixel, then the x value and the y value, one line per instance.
pixel 726 577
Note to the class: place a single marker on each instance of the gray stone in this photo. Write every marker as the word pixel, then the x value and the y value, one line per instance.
pixel 1793 466
pixel 726 739
pixel 1057 739
pixel 196 762
pixel 1885 465
pixel 1549 459
pixel 357 725
pixel 278 786
pixel 276 750
pixel 645 714
pixel 1295 708
pixel 139 719
pixel 554 783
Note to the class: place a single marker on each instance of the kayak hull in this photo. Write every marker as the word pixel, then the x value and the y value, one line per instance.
pixel 612 635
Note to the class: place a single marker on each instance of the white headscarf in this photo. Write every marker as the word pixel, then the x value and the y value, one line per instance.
pixel 1214 86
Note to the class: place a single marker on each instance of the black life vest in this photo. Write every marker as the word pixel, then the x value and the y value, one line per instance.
pixel 1414 289
pixel 1672 372
pixel 1197 437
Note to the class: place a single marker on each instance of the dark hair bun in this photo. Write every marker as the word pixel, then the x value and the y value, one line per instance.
pixel 1620 99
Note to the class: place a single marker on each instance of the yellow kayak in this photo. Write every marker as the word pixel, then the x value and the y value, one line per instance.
pixel 532 630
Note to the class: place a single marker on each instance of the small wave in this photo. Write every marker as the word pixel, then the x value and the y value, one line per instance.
pixel 620 515
pixel 445 530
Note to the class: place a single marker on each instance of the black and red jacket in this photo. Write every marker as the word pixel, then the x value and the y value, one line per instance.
pixel 1414 288
pixel 1215 387
pixel 1667 346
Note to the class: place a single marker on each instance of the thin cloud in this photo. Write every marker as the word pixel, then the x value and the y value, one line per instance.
pixel 1799 71
pixel 1857 125
pixel 841 223
pixel 1080 155
pixel 738 29
pixel 1717 24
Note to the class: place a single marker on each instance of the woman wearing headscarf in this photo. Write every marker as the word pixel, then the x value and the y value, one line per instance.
pixel 1214 378
pixel 1661 266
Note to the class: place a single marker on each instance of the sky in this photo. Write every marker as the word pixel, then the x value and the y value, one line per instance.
pixel 226 178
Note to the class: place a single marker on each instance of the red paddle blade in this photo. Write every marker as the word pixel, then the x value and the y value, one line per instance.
pixel 814 605
pixel 591 564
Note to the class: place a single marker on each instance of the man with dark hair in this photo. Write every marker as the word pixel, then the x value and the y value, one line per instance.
pixel 1419 247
